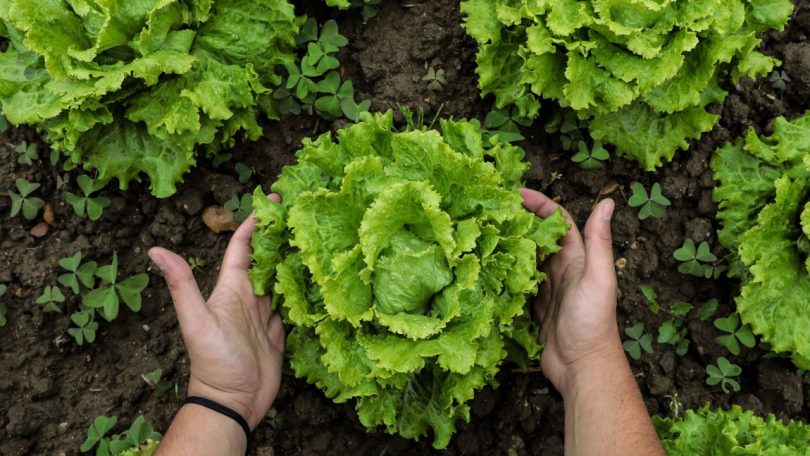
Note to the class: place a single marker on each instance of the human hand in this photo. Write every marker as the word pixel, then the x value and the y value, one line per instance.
pixel 235 342
pixel 577 304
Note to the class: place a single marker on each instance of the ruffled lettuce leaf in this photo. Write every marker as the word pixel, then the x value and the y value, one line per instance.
pixel 404 262
pixel 132 88
pixel 642 73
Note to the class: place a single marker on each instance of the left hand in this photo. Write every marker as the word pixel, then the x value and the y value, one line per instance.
pixel 235 342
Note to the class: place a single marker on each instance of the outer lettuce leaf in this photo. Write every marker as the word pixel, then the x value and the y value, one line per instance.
pixel 404 261
pixel 131 88
pixel 725 432
pixel 763 199
pixel 643 73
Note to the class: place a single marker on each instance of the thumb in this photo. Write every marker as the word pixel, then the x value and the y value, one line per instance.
pixel 599 243
pixel 188 301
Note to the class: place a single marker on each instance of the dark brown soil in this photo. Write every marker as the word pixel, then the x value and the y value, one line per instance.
pixel 52 389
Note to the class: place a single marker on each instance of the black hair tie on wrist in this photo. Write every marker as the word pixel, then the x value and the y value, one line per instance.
pixel 221 409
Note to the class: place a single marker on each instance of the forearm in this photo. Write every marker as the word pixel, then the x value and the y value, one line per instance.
pixel 199 431
pixel 604 411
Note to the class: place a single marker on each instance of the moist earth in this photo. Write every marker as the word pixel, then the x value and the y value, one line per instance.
pixel 51 389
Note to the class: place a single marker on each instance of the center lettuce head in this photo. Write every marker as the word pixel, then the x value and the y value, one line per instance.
pixel 404 261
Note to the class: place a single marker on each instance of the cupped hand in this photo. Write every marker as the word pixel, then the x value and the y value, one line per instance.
pixel 234 341
pixel 577 304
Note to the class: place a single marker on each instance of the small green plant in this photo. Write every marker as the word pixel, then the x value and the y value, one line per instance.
pixel 639 340
pixel 415 121
pixel 674 332
pixel 86 326
pixel 78 274
pixel 707 310
pixel 241 207
pixel 50 299
pixel 196 263
pixel 652 204
pixel 154 380
pixel 220 158
pixel 570 128
pixel 28 153
pixel 3 123
pixel 435 79
pixel 651 297
pixel 698 261
pixel 141 432
pixel 681 309
pixel 23 201
pixel 338 99
pixel 3 307
pixel 723 374
pixel 506 124
pixel 590 158
pixel 92 207
pixel 107 297
pixel 779 79
pixel 737 333
pixel 243 172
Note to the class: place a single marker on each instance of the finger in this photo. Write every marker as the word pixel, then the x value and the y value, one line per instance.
pixel 188 301
pixel 598 242
pixel 544 206
pixel 237 255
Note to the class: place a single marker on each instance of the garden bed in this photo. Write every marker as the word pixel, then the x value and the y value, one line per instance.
pixel 52 389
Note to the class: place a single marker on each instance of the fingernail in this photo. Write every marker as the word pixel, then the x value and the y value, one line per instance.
pixel 158 259
pixel 607 209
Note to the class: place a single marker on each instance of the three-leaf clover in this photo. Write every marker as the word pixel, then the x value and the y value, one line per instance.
pixel 154 380
pixel 243 172
pixel 695 260
pixel 85 204
pixel 506 124
pixel 96 435
pixel 3 308
pixel 29 205
pixel 737 334
pixel 28 153
pixel 639 340
pixel 338 98
pixel 78 273
pixel 673 332
pixel 241 207
pixel 591 158
pixel 723 374
pixel 50 299
pixel 651 204
pixel 106 298
pixel 140 432
pixel 86 326
pixel 435 79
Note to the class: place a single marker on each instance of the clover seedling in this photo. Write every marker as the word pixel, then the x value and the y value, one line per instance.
pixel 707 310
pixel 651 204
pixel 338 99
pixel 50 299
pixel 591 158
pixel 241 207
pixel 219 159
pixel 506 124
pixel 153 379
pixel 78 273
pixel 639 341
pixel 106 298
pixel 435 79
pixel 3 308
pixel 651 297
pixel 570 130
pixel 673 332
pixel 681 309
pixel 85 204
pixel 29 205
pixel 86 327
pixel 723 374
pixel 737 334
pixel 139 433
pixel 243 172
pixel 697 261
pixel 96 435
pixel 778 79
pixel 28 153
pixel 196 263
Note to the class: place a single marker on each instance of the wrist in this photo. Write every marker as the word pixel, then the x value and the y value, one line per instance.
pixel 607 361
pixel 234 401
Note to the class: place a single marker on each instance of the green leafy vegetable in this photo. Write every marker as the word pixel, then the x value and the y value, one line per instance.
pixel 762 195
pixel 643 73
pixel 404 261
pixel 138 87
pixel 718 432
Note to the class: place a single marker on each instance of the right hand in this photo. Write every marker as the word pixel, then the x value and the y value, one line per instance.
pixel 577 304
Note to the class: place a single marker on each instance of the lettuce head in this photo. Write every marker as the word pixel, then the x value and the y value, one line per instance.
pixel 403 261
pixel 132 88
pixel 642 72
pixel 763 195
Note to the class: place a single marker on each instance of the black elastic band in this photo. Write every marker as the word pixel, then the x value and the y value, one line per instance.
pixel 219 408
